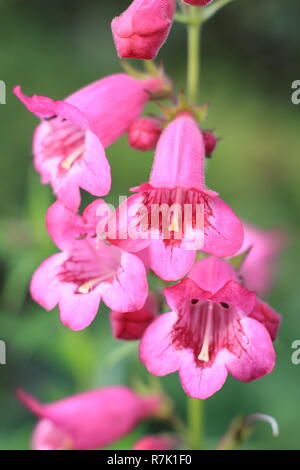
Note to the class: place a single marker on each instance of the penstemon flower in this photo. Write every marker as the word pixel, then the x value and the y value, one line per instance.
pixel 216 327
pixel 89 420
pixel 196 217
pixel 143 28
pixel 68 144
pixel 87 270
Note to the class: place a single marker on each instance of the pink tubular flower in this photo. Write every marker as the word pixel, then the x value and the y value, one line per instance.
pixel 144 133
pixel 87 270
pixel 175 214
pixel 131 325
pixel 89 420
pixel 200 3
pixel 153 442
pixel 216 326
pixel 143 28
pixel 68 144
pixel 259 268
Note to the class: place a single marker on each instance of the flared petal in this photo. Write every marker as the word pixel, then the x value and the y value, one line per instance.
pixel 258 356
pixel 265 315
pixel 170 262
pixel 128 289
pixel 202 381
pixel 156 350
pixel 223 231
pixel 95 175
pixel 45 284
pixel 77 311
pixel 45 108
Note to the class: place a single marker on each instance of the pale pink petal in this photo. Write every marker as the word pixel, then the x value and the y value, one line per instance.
pixel 170 262
pixel 67 188
pixel 224 231
pixel 64 226
pixel 258 356
pixel 77 311
pixel 45 285
pixel 128 289
pixel 95 176
pixel 202 381
pixel 48 436
pixel 156 350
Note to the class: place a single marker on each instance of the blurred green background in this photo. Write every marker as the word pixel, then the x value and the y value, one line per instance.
pixel 250 58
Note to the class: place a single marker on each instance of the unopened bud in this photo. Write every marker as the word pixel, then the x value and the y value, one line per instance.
pixel 210 142
pixel 144 134
pixel 131 325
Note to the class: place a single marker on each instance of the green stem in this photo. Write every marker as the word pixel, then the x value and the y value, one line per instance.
pixel 195 423
pixel 193 64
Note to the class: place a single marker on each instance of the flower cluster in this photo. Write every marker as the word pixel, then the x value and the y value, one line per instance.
pixel 172 227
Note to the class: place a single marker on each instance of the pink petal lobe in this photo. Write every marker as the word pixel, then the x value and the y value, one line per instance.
pixel 202 382
pixel 156 350
pixel 265 315
pixel 95 176
pixel 170 262
pixel 128 289
pixel 258 357
pixel 212 273
pixel 77 311
pixel 45 285
pixel 224 232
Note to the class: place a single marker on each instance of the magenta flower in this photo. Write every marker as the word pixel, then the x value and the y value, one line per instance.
pixel 195 217
pixel 144 133
pixel 89 420
pixel 155 442
pixel 210 332
pixel 68 144
pixel 143 28
pixel 87 270
pixel 259 268
pixel 132 325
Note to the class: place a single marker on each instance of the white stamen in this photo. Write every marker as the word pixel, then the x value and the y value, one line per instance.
pixel 68 162
pixel 204 353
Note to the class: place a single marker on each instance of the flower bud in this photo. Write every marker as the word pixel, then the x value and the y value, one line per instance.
pixel 131 325
pixel 210 142
pixel 142 29
pixel 144 134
